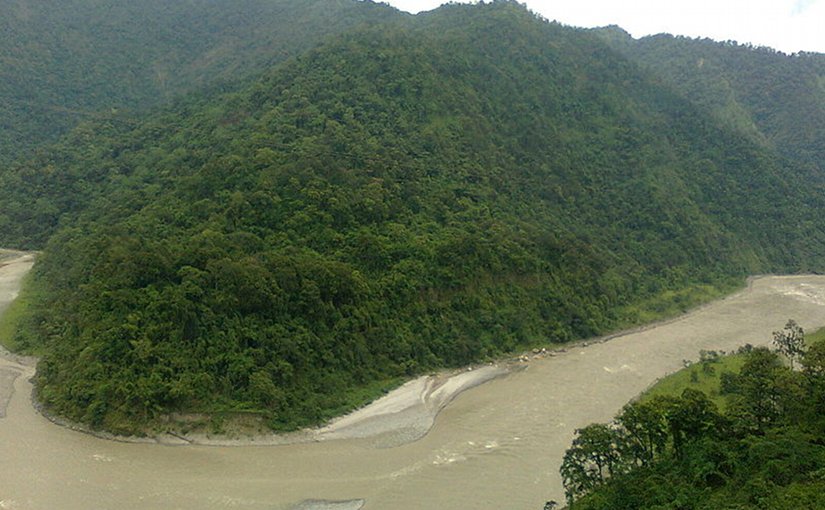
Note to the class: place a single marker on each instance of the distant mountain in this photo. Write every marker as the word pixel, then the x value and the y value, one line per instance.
pixel 67 61
pixel 777 100
pixel 421 193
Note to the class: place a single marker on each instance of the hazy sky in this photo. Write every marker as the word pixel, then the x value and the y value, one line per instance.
pixel 786 25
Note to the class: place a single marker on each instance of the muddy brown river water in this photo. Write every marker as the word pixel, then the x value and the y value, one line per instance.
pixel 496 446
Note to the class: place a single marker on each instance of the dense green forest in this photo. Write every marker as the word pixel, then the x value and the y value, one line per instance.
pixel 67 61
pixel 765 450
pixel 424 192
pixel 777 100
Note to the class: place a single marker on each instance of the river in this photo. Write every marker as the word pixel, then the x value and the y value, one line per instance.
pixel 496 446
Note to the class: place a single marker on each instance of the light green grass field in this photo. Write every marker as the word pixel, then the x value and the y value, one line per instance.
pixel 11 335
pixel 706 375
pixel 815 337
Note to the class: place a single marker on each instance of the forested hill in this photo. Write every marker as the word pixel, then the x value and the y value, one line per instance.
pixel 774 98
pixel 412 195
pixel 66 61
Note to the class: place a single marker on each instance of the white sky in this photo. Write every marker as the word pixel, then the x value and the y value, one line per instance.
pixel 786 25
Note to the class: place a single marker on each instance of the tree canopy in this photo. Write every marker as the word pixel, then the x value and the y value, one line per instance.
pixel 775 99
pixel 765 451
pixel 64 62
pixel 419 193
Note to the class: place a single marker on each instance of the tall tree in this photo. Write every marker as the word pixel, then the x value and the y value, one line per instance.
pixel 790 342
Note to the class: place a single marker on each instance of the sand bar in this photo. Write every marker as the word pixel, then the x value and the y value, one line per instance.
pixel 498 445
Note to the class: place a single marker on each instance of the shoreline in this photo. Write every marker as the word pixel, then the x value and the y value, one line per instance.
pixel 514 429
pixel 404 415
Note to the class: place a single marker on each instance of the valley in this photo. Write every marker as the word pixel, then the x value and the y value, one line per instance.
pixel 496 446
pixel 329 255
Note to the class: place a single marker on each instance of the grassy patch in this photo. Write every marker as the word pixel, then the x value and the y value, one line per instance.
pixel 671 303
pixel 235 422
pixel 12 319
pixel 815 337
pixel 704 376
pixel 364 395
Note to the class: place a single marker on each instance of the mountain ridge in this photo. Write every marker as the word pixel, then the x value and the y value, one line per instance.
pixel 774 98
pixel 63 62
pixel 403 197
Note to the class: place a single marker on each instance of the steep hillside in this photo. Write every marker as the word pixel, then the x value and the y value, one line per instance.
pixel 407 196
pixel 66 61
pixel 776 99
pixel 762 449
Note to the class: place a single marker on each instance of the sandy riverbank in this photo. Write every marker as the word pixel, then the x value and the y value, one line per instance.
pixel 404 415
pixel 496 446
pixel 13 266
pixel 7 378
pixel 401 416
pixel 321 504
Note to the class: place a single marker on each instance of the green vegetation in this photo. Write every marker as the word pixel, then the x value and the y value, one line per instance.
pixel 776 100
pixel 705 376
pixel 676 449
pixel 14 320
pixel 815 337
pixel 671 303
pixel 790 342
pixel 407 196
pixel 64 62
pixel 413 193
